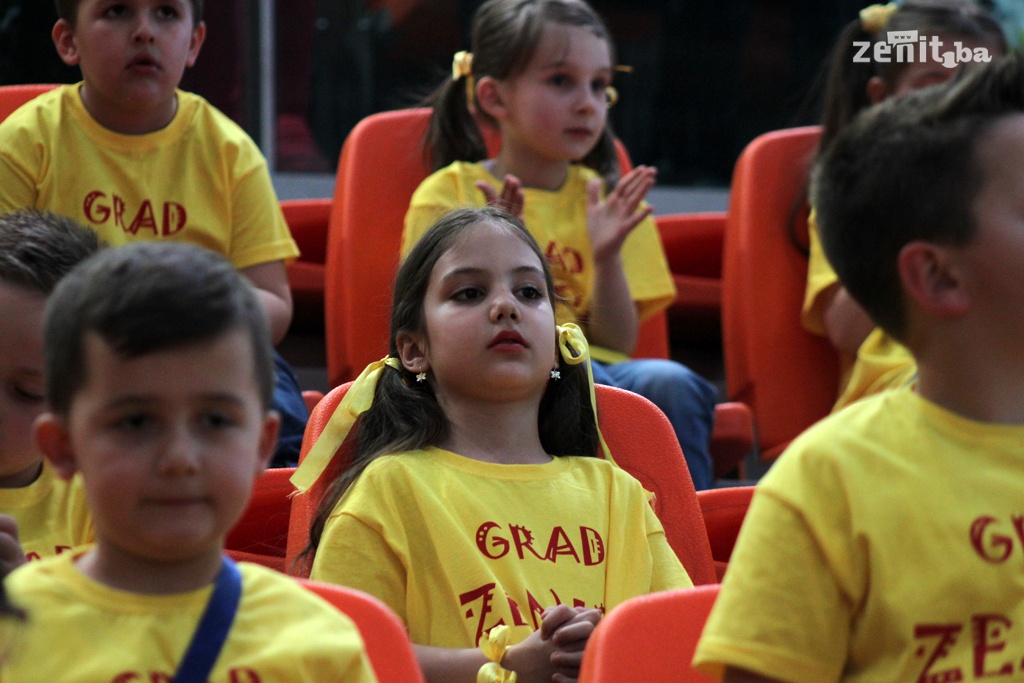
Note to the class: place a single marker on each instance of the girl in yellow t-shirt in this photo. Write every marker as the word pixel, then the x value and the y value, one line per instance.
pixel 871 361
pixel 540 74
pixel 473 505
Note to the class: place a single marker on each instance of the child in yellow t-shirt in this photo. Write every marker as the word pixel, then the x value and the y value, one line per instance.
pixel 870 359
pixel 474 506
pixel 159 377
pixel 886 542
pixel 128 154
pixel 541 73
pixel 49 514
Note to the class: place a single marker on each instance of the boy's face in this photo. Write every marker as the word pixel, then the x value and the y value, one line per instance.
pixel 994 258
pixel 130 51
pixel 168 444
pixel 21 371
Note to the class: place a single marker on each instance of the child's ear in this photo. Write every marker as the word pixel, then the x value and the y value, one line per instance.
pixel 877 90
pixel 489 97
pixel 63 35
pixel 268 439
pixel 412 351
pixel 51 436
pixel 932 279
pixel 198 36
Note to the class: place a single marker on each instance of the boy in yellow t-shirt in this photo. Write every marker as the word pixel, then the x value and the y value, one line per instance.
pixel 159 376
pixel 50 515
pixel 128 154
pixel 885 544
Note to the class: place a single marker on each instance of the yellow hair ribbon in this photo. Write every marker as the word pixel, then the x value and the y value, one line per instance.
pixel 356 401
pixel 874 18
pixel 575 350
pixel 462 67
pixel 494 646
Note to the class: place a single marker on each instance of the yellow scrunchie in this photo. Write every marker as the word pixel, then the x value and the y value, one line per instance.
pixel 462 67
pixel 575 350
pixel 357 400
pixel 494 647
pixel 876 17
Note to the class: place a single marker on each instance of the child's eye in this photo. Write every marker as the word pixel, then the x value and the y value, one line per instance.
pixel 168 12
pixel 599 85
pixel 560 80
pixel 25 395
pixel 114 11
pixel 133 422
pixel 531 292
pixel 468 294
pixel 216 420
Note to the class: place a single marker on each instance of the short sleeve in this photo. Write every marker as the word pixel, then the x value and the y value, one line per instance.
pixel 353 554
pixel 667 572
pixel 781 612
pixel 820 278
pixel 646 266
pixel 259 231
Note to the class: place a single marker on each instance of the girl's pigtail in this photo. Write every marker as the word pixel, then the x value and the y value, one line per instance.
pixel 846 91
pixel 453 133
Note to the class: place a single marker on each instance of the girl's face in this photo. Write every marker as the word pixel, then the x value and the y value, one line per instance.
pixel 489 325
pixel 557 108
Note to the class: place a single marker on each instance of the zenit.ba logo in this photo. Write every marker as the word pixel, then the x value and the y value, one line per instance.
pixel 907 46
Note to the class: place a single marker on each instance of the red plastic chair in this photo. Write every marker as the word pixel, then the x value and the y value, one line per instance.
pixel 724 510
pixel 261 535
pixel 639 436
pixel 786 375
pixel 308 221
pixel 13 96
pixel 384 635
pixel 693 244
pixel 650 638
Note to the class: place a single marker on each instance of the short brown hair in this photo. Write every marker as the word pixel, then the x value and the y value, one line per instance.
pixel 68 10
pixel 38 248
pixel 147 297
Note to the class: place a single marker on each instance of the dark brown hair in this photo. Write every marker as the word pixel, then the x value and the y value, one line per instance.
pixel 147 297
pixel 37 248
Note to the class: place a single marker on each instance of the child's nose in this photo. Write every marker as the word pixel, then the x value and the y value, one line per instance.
pixel 180 454
pixel 144 29
pixel 504 306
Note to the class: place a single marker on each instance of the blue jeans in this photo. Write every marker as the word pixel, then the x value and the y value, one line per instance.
pixel 288 402
pixel 686 398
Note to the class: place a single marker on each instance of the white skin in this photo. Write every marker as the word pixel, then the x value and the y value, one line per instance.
pixel 488 349
pixel 550 116
pixel 847 325
pixel 22 400
pixel 168 449
pixel 132 54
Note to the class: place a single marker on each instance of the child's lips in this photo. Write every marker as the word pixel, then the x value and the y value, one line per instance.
pixel 508 339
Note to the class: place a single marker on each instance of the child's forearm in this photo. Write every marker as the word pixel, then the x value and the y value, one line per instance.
pixel 271 282
pixel 449 665
pixel 612 321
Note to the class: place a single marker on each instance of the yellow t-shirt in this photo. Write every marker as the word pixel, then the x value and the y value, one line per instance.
pixel 558 221
pixel 201 179
pixel 51 513
pixel 81 630
pixel 456 546
pixel 881 362
pixel 886 544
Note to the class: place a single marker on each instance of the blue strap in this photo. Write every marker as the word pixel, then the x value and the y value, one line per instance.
pixel 213 627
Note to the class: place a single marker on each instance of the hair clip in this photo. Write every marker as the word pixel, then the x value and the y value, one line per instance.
pixel 611 96
pixel 874 18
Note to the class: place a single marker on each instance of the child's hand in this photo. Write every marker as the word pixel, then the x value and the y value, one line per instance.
pixel 11 554
pixel 510 199
pixel 570 638
pixel 609 222
pixel 552 653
